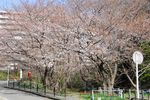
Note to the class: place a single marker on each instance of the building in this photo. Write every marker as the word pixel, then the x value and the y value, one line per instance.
pixel 7 25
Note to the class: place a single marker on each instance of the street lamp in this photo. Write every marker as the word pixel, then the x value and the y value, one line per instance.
pixel 19 38
pixel 8 72
pixel 8 75
pixel 138 59
pixel 21 74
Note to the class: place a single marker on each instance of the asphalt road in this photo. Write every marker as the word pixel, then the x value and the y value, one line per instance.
pixel 9 94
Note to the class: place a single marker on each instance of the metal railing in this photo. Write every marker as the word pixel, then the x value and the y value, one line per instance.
pixel 123 94
pixel 36 88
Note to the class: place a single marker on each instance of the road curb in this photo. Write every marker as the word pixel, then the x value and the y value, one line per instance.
pixel 38 94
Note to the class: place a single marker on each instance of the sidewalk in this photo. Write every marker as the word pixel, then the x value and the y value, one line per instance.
pixel 51 96
pixel 42 93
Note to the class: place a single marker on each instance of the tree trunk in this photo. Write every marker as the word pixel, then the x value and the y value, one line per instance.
pixel 44 77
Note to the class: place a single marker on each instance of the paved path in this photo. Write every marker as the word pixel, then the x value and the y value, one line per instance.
pixel 8 94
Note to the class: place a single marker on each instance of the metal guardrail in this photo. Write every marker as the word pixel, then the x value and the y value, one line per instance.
pixel 35 88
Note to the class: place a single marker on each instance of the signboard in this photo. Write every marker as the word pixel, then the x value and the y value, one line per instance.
pixel 137 57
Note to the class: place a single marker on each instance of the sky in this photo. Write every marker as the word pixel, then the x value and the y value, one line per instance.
pixel 8 4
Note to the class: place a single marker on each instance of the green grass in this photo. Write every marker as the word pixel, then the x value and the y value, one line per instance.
pixel 12 75
pixel 102 96
pixel 3 75
pixel 33 84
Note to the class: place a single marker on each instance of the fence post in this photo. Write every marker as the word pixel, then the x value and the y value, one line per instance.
pixel 103 92
pixel 149 95
pixel 37 88
pixel 13 84
pixel 54 91
pixel 142 94
pixel 110 97
pixel 135 94
pixel 30 85
pixel 112 92
pixel 44 89
pixel 65 92
pixel 121 93
pixel 8 83
pixel 19 84
pixel 24 86
pixel 129 94
pixel 92 95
